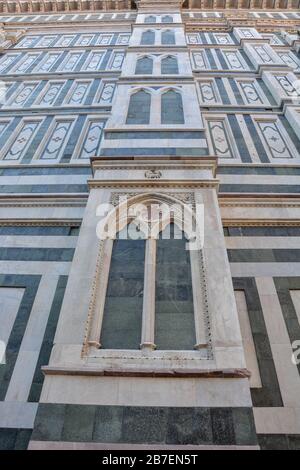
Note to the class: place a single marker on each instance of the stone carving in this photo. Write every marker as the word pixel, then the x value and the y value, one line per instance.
pixel 65 40
pixel 22 96
pixel 79 92
pixel 223 39
pixel 57 140
pixel 27 42
pixel 46 41
pixel 48 63
pixel 289 60
pixel 193 39
pixel 219 139
pixel 123 39
pixel 153 174
pixel 286 85
pixel 104 39
pixel 233 60
pixel 84 40
pixel 274 140
pixel 70 63
pixel 94 61
pixel 207 92
pixel 92 140
pixel 199 60
pixel 250 93
pixel 29 60
pixel 7 61
pixel 51 94
pixel 107 93
pixel 22 141
pixel 262 53
pixel 167 198
pixel 117 61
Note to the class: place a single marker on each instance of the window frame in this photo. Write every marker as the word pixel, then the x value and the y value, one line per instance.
pixel 202 348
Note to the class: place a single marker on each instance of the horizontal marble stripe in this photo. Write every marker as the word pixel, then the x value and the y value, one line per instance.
pixel 42 232
pixel 34 267
pixel 261 231
pixel 264 269
pixel 257 243
pixel 42 188
pixel 257 188
pixel 156 425
pixel 262 255
pixel 279 441
pixel 154 151
pixel 31 171
pixel 155 135
pixel 17 414
pixel 259 179
pixel 37 254
pixel 48 180
pixel 37 241
pixel 256 170
pixel 152 144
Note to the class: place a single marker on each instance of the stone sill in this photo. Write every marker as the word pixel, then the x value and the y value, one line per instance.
pixel 140 372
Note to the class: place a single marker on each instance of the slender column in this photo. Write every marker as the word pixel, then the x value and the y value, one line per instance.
pixel 200 327
pixel 149 296
pixel 100 299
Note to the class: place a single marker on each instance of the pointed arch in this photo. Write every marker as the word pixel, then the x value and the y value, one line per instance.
pixel 150 19
pixel 169 65
pixel 168 37
pixel 144 66
pixel 139 108
pixel 167 19
pixel 172 107
pixel 148 38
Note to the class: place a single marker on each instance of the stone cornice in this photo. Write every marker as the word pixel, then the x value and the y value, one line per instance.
pixel 260 222
pixel 74 6
pixel 140 372
pixel 174 184
pixel 40 222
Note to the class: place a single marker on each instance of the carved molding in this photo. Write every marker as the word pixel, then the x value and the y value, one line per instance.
pixel 260 223
pixel 165 197
pixel 40 222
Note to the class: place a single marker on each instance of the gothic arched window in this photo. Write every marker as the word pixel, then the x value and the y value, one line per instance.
pixel 168 37
pixel 169 65
pixel 122 317
pixel 150 19
pixel 172 108
pixel 167 19
pixel 139 108
pixel 174 309
pixel 144 65
pixel 148 38
pixel 148 285
pixel 126 311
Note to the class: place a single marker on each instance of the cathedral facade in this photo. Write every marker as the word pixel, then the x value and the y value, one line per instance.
pixel 168 110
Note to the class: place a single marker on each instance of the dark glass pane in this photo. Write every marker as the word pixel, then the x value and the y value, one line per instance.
pixel 122 321
pixel 171 108
pixel 150 19
pixel 144 66
pixel 148 38
pixel 174 310
pixel 168 37
pixel 169 65
pixel 139 108
pixel 167 19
